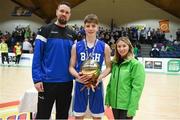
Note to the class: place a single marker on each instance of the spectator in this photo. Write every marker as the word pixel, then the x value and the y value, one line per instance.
pixel 4 50
pixel 18 52
pixel 178 35
pixel 136 51
pixel 154 52
pixel 27 47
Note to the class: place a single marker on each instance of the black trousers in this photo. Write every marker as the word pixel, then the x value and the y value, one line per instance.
pixel 18 57
pixel 120 114
pixel 59 92
pixel 4 56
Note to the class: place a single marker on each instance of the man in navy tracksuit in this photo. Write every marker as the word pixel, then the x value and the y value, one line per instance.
pixel 50 72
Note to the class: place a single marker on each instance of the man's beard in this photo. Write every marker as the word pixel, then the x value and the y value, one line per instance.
pixel 62 21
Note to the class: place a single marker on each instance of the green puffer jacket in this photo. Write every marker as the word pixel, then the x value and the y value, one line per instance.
pixel 125 86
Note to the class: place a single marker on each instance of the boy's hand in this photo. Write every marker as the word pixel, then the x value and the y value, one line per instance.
pixel 84 78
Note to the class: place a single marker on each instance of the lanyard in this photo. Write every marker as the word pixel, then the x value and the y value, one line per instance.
pixel 89 55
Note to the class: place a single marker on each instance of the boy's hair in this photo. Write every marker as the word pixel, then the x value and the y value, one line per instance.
pixel 91 18
pixel 64 3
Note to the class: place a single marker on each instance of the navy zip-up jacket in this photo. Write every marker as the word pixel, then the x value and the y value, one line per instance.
pixel 52 54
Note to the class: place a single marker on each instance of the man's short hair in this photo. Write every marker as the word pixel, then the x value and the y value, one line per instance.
pixel 64 3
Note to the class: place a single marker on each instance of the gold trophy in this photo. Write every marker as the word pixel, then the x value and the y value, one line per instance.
pixel 91 67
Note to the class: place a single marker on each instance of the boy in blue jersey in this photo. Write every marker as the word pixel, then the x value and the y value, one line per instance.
pixel 89 49
pixel 50 68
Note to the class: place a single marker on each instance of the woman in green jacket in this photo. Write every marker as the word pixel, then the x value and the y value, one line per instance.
pixel 126 81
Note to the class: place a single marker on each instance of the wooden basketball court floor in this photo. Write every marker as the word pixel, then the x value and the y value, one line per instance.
pixel 160 99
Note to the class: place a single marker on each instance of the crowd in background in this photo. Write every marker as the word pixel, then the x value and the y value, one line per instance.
pixel 154 37
pixel 21 40
pixel 138 36
pixel 22 35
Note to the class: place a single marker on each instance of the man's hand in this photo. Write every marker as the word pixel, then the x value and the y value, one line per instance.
pixel 39 87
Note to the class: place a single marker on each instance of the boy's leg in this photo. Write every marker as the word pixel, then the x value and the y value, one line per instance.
pixel 79 117
pixel 80 100
pixel 97 118
pixel 96 102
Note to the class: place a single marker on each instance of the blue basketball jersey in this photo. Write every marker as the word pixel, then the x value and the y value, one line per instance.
pixel 81 54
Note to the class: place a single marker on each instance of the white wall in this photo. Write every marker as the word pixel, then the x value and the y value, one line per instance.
pixel 8 22
pixel 11 24
pixel 124 13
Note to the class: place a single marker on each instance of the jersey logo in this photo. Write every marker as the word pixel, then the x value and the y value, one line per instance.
pixel 96 56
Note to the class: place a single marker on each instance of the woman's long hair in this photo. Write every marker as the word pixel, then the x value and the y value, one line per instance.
pixel 130 53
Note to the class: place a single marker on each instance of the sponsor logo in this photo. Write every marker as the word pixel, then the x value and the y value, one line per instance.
pixel 25 58
pixel 173 66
